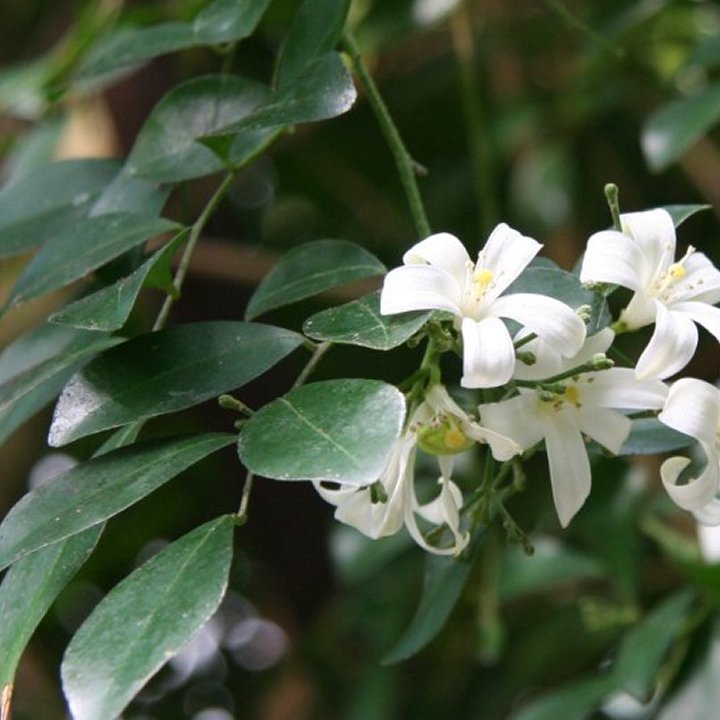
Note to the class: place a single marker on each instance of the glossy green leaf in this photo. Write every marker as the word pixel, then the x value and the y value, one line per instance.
pixel 316 30
pixel 324 90
pixel 131 46
pixel 680 213
pixel 108 309
pixel 225 21
pixel 671 130
pixel 648 436
pixel 30 587
pixel 444 580
pixel 145 620
pixel 572 702
pixel 165 371
pixel 337 430
pixel 167 149
pixel 360 323
pixel 83 247
pixel 310 269
pixel 96 490
pixel 26 392
pixel 646 645
pixel 132 194
pixel 48 198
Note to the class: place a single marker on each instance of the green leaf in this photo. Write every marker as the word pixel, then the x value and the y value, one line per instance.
pixel 165 371
pixel 83 247
pixel 324 90
pixel 680 213
pixel 444 580
pixel 338 430
pixel 145 620
pixel 648 436
pixel 102 487
pixel 672 129
pixel 167 149
pixel 29 589
pixel 128 193
pixel 130 46
pixel 108 309
pixel 34 208
pixel 310 269
pixel 360 323
pixel 551 565
pixel 316 29
pixel 645 647
pixel 572 702
pixel 225 21
pixel 22 395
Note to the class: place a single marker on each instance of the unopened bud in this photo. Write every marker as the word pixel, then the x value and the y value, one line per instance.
pixel 527 357
pixel 600 361
pixel 584 312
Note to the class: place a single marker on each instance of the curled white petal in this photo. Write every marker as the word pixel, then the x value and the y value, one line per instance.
pixel 551 320
pixel 488 353
pixel 697 493
pixel 671 346
pixel 441 250
pixel 611 257
pixel 693 407
pixel 419 287
pixel 506 253
pixel 653 231
pixel 703 314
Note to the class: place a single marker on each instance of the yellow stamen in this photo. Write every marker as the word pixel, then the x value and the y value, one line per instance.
pixel 482 279
pixel 572 395
pixel 677 271
pixel 455 439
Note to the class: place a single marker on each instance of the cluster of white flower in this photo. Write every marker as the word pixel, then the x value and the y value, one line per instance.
pixel 571 391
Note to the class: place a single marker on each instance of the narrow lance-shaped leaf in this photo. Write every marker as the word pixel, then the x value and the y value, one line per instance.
pixel 47 198
pixel 165 371
pixel 225 21
pixel 96 490
pixel 645 646
pixel 310 269
pixel 680 213
pixel 443 583
pixel 360 323
pixel 75 251
pixel 25 393
pixel 145 620
pixel 167 149
pixel 572 702
pixel 316 29
pixel 108 309
pixel 28 590
pixel 338 430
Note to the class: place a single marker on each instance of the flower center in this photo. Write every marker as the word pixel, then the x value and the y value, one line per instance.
pixel 665 285
pixel 561 398
pixel 443 436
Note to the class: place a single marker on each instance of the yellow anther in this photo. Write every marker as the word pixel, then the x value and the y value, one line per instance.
pixel 455 439
pixel 677 271
pixel 572 395
pixel 482 279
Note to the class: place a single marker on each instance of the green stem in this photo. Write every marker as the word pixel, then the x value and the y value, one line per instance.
pixel 406 166
pixel 317 355
pixel 195 232
pixel 242 512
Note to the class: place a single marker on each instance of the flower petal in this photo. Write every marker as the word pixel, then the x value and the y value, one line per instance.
pixel 702 280
pixel 517 418
pixel 569 466
pixel 607 427
pixel 693 407
pixel 698 492
pixel 551 320
pixel 611 257
pixel 506 253
pixel 419 287
pixel 706 315
pixel 654 233
pixel 620 388
pixel 443 251
pixel 488 353
pixel 670 348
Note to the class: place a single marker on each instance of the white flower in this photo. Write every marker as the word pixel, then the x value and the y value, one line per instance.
pixel 673 294
pixel 693 408
pixel 382 509
pixel 586 404
pixel 439 275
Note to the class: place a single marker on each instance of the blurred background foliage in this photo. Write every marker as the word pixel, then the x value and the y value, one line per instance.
pixel 520 111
